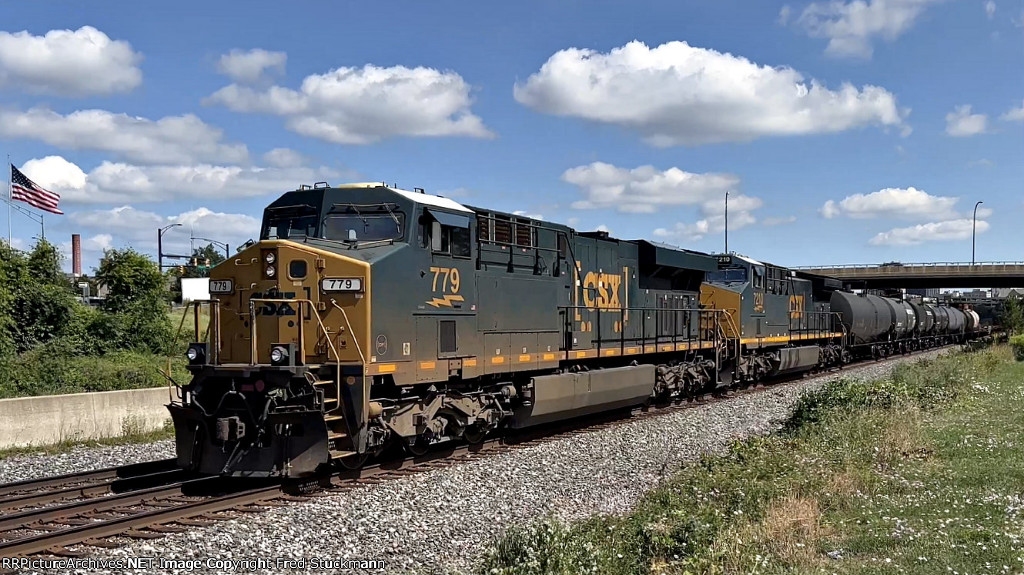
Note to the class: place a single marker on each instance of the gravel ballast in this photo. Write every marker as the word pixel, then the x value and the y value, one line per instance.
pixel 30 465
pixel 441 520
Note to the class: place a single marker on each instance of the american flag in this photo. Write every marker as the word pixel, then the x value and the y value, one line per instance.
pixel 25 190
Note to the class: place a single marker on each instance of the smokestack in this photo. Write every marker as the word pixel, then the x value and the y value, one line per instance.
pixel 76 255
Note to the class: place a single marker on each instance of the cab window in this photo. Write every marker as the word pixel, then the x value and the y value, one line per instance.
pixel 758 277
pixel 453 240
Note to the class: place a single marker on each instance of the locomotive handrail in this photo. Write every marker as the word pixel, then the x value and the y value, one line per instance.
pixel 214 327
pixel 302 350
pixel 355 340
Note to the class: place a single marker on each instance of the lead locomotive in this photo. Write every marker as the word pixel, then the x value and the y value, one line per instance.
pixel 368 315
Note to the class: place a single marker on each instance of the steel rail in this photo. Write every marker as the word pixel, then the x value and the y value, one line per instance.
pixel 119 472
pixel 92 490
pixel 119 525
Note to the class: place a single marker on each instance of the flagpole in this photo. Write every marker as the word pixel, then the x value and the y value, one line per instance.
pixel 10 201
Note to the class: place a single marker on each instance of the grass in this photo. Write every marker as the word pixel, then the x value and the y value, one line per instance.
pixel 918 473
pixel 129 437
pixel 40 373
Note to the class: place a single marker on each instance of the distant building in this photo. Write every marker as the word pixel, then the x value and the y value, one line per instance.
pixel 924 292
pixel 1007 292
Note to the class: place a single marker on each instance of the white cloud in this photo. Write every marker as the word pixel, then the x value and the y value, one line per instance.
pixel 984 163
pixel 892 202
pixel 645 189
pixel 1014 114
pixel 131 226
pixel 934 231
pixel 784 13
pixel 962 123
pixel 284 158
pixel 112 182
pixel 676 94
pixel 603 228
pixel 527 215
pixel 990 9
pixel 84 62
pixel 710 225
pixel 778 221
pixel 851 27
pixel 169 140
pixel 365 105
pixel 249 66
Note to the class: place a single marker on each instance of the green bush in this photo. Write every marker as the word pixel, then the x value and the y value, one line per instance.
pixel 51 343
pixel 52 369
pixel 1017 343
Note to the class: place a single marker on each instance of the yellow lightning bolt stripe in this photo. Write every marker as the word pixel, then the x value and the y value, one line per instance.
pixel 446 301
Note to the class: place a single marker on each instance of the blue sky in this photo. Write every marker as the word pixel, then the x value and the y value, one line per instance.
pixel 844 131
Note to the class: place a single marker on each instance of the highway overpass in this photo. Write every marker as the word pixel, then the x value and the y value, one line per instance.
pixel 925 275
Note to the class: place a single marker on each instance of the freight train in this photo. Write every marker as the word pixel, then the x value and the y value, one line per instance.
pixel 368 316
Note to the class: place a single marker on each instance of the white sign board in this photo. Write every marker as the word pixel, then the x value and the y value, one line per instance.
pixel 195 288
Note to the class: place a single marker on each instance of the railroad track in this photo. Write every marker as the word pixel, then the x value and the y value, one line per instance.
pixel 58 515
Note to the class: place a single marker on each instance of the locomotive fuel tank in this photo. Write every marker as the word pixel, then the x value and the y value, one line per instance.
pixel 925 318
pixel 867 317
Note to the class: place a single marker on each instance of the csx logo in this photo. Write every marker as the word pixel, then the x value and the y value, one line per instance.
pixel 601 291
pixel 272 308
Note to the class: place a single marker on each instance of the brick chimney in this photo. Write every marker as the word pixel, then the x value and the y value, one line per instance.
pixel 76 255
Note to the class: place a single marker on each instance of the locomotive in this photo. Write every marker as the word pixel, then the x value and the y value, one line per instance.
pixel 368 315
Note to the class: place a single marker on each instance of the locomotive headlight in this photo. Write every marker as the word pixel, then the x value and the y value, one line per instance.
pixel 278 355
pixel 196 353
pixel 270 257
pixel 282 354
pixel 271 271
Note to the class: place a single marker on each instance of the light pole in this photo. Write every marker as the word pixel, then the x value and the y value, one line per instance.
pixel 974 227
pixel 222 245
pixel 727 222
pixel 160 245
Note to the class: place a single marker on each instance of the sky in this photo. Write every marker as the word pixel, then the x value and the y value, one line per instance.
pixel 843 131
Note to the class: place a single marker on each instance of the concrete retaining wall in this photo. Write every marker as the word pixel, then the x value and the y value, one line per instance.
pixel 52 419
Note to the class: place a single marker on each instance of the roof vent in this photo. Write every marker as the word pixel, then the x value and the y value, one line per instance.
pixel 320 185
pixel 305 187
pixel 420 190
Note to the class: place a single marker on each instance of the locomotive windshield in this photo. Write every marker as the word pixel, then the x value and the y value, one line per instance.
pixel 289 222
pixel 364 227
pixel 727 275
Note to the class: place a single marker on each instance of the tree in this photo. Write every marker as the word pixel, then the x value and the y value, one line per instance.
pixel 129 278
pixel 1013 314
pixel 136 302
pixel 37 300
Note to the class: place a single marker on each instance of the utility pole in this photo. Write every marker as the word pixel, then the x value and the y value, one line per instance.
pixel 726 222
pixel 974 227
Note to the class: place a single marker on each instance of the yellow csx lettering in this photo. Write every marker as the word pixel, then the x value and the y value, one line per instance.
pixel 601 291
pixel 796 306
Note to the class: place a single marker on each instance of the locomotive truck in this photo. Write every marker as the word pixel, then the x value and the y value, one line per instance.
pixel 367 315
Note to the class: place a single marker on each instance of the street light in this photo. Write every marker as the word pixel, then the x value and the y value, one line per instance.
pixel 727 222
pixel 222 245
pixel 974 227
pixel 160 245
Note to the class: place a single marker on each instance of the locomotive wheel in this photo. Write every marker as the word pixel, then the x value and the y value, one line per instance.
pixel 353 462
pixel 474 434
pixel 417 446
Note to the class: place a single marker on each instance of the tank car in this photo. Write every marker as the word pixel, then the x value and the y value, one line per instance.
pixel 367 315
